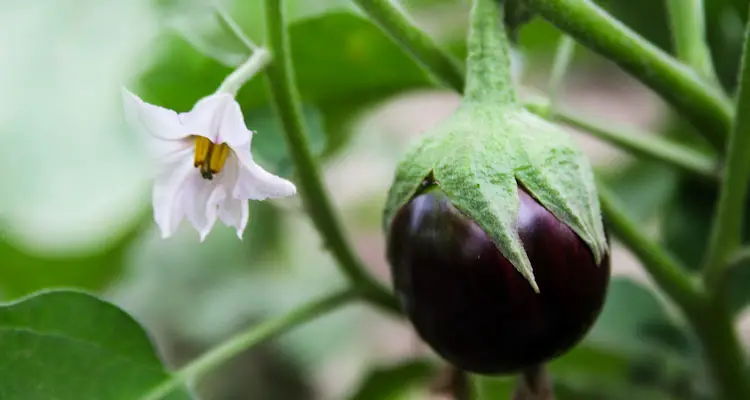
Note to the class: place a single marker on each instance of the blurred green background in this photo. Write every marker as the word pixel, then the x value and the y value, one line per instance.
pixel 75 207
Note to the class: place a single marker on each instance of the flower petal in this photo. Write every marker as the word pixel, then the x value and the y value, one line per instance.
pixel 233 130
pixel 217 117
pixel 168 197
pixel 235 213
pixel 255 183
pixel 159 122
pixel 161 127
pixel 204 119
pixel 202 204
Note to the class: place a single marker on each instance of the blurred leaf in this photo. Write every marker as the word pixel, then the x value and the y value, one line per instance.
pixel 739 286
pixel 269 145
pixel 687 222
pixel 644 187
pixel 489 388
pixel 635 323
pixel 264 233
pixel 725 25
pixel 70 345
pixel 586 363
pixel 393 382
pixel 23 271
pixel 343 62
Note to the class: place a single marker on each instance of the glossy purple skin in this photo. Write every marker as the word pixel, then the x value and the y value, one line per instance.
pixel 472 306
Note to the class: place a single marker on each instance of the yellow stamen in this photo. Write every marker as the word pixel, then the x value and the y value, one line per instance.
pixel 202 150
pixel 218 157
pixel 209 157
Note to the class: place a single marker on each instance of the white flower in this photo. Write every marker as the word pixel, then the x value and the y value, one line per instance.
pixel 205 169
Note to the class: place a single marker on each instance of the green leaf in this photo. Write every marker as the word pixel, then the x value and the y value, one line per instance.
pixel 269 145
pixel 393 382
pixel 644 187
pixel 70 345
pixel 634 322
pixel 739 284
pixel 687 221
pixel 22 271
pixel 490 388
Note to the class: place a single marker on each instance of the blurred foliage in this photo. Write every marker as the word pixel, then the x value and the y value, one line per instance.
pixel 394 382
pixel 24 271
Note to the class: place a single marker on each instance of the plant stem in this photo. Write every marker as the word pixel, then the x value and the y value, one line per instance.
pixel 688 25
pixel 257 61
pixel 410 38
pixel 441 65
pixel 488 77
pixel 698 101
pixel 726 232
pixel 534 384
pixel 646 145
pixel 285 100
pixel 707 315
pixel 666 271
pixel 563 58
pixel 245 340
pixel 227 20
pixel 723 352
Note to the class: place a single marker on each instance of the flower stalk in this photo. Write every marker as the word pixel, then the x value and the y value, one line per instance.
pixel 257 62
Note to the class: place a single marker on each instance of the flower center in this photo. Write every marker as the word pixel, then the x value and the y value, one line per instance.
pixel 209 156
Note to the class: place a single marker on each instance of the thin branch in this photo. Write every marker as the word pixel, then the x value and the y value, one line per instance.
pixel 696 99
pixel 286 102
pixel 246 340
pixel 642 144
pixel 227 20
pixel 563 58
pixel 414 41
pixel 726 231
pixel 688 24
pixel 661 266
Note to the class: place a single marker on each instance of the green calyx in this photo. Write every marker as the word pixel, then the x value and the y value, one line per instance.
pixel 491 145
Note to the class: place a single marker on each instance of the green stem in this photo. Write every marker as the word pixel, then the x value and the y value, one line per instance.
pixel 420 45
pixel 232 83
pixel 708 316
pixel 227 20
pixel 245 340
pixel 697 100
pixel 646 145
pixel 488 77
pixel 688 25
pixel 563 59
pixel 723 352
pixel 285 100
pixel 726 232
pixel 666 271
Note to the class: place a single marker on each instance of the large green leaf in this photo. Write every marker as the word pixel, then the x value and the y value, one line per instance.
pixel 70 345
